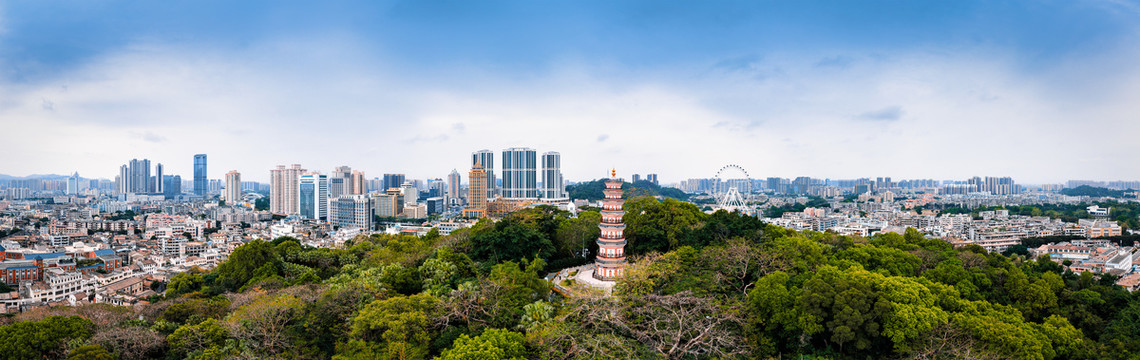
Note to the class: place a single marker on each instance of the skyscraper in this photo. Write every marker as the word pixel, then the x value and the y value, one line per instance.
pixel 73 184
pixel 486 158
pixel 172 186
pixel 283 189
pixel 313 195
pixel 156 180
pixel 520 173
pixel 123 181
pixel 200 174
pixel 453 186
pixel 392 181
pixel 233 188
pixel 476 192
pixel 552 187
pixel 652 178
pixel 340 182
pixel 359 185
pixel 635 178
pixel 139 176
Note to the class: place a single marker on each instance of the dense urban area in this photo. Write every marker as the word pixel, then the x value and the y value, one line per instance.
pixel 514 262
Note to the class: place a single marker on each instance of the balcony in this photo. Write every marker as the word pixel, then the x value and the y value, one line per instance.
pixel 610 261
pixel 608 242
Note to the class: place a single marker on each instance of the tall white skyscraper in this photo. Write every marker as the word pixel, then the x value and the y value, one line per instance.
pixel 552 186
pixel 486 158
pixel 411 193
pixel 73 184
pixel 520 173
pixel 233 188
pixel 313 195
pixel 156 180
pixel 283 189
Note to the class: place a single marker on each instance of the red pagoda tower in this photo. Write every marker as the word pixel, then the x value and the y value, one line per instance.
pixel 610 262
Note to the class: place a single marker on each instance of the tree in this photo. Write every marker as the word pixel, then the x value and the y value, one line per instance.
pixel 190 338
pixel 653 225
pixel 39 339
pixel 493 344
pixel 266 322
pixel 90 352
pixel 241 265
pixel 510 240
pixel 399 325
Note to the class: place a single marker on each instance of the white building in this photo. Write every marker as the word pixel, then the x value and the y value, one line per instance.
pixel 312 195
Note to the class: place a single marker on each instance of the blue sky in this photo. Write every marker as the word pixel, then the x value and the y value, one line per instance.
pixel 835 89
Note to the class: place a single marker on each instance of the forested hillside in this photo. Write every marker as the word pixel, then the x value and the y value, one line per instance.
pixel 592 190
pixel 699 287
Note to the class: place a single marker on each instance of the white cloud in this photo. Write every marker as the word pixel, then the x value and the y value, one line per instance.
pixel 325 102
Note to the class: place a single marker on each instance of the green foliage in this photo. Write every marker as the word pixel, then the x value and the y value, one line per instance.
pixel 90 352
pixel 1085 190
pixel 493 344
pixel 40 339
pixel 592 190
pixel 510 240
pixel 244 263
pixel 399 325
pixel 653 225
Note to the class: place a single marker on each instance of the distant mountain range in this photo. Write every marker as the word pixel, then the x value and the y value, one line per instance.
pixel 35 176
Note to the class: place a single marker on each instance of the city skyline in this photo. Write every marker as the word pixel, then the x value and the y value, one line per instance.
pixel 1041 92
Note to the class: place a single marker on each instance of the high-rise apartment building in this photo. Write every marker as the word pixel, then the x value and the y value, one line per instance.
pixel 171 186
pixel 140 176
pixel 200 175
pixel 351 211
pixel 283 189
pixel 486 158
pixel 552 185
pixel 392 181
pixel 313 196
pixel 156 180
pixel 233 187
pixel 634 178
pixel 476 191
pixel 453 188
pixel 359 184
pixel 652 178
pixel 520 173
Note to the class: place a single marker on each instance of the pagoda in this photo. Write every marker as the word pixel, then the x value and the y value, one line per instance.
pixel 610 262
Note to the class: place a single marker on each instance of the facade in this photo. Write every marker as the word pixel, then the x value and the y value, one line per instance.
pixel 476 189
pixel 486 159
pixel 340 182
pixel 454 194
pixel 392 181
pixel 652 178
pixel 233 187
pixel 520 173
pixel 73 184
pixel 553 188
pixel 359 185
pixel 171 186
pixel 200 174
pixel 351 211
pixel 411 194
pixel 283 189
pixel 389 204
pixel 313 195
pixel 156 180
pixel 610 262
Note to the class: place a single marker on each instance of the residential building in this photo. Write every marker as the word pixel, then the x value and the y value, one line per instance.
pixel 284 189
pixel 359 184
pixel 476 189
pixel 520 173
pixel 392 181
pixel 552 185
pixel 233 188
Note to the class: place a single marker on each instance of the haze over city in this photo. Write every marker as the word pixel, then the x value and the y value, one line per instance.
pixel 1039 91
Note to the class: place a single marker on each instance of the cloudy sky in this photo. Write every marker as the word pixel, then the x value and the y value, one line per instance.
pixel 1041 90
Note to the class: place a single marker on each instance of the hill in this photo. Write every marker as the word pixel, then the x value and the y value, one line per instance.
pixel 1085 190
pixel 592 190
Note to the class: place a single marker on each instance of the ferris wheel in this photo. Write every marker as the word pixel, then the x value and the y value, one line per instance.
pixel 733 187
